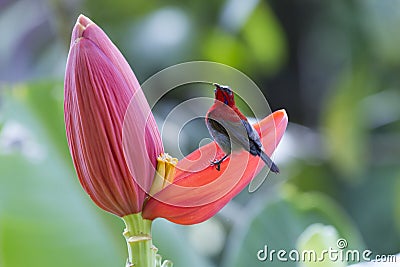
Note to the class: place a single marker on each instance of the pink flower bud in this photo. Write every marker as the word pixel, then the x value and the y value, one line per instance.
pixel 99 86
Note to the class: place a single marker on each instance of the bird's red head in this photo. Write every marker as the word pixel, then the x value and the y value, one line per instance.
pixel 224 94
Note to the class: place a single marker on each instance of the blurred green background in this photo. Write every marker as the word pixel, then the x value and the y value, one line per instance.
pixel 333 65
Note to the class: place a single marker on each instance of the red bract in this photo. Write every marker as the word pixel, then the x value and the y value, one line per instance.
pixel 196 196
pixel 99 86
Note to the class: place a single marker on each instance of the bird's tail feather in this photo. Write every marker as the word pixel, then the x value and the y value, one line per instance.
pixel 271 165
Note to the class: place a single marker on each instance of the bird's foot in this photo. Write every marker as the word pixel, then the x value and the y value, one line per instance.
pixel 217 163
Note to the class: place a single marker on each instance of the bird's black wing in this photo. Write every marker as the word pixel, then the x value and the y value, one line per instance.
pixel 255 145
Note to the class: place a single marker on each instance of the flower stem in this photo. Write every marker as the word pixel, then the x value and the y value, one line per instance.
pixel 141 252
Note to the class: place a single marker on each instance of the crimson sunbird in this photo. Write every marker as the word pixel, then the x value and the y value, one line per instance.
pixel 231 130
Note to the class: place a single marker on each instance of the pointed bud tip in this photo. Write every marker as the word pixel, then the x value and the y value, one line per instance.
pixel 84 21
pixel 81 24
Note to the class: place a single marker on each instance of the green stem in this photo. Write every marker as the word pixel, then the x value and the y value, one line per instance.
pixel 137 233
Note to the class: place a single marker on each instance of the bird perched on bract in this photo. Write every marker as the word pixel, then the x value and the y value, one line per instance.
pixel 231 129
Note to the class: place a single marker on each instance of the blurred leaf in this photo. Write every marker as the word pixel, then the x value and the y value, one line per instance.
pixel 380 20
pixel 44 218
pixel 279 223
pixel 118 13
pixel 265 39
pixel 39 108
pixel 345 122
pixel 44 101
pixel 308 178
pixel 224 48
pixel 397 205
pixel 260 45
pixel 172 244
pixel 372 206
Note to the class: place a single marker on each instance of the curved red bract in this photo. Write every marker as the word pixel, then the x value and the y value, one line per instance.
pixel 181 201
